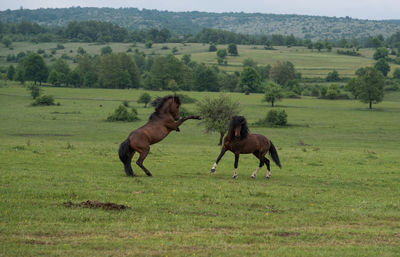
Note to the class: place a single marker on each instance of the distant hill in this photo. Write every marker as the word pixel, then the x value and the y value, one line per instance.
pixel 301 26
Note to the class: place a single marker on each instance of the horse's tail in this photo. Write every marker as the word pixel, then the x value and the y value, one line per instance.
pixel 124 151
pixel 274 155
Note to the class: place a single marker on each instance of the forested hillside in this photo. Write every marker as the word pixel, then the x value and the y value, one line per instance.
pixel 301 26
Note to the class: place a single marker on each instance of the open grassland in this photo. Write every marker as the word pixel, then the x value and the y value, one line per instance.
pixel 310 63
pixel 337 194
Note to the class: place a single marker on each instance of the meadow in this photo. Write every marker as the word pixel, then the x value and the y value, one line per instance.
pixel 310 63
pixel 336 195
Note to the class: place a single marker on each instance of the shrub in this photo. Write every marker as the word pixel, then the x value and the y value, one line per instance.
pixel 274 118
pixel 122 114
pixel 44 100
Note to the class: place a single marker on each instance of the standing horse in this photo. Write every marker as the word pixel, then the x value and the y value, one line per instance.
pixel 161 122
pixel 239 141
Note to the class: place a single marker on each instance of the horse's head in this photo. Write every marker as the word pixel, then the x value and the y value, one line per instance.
pixel 239 127
pixel 174 107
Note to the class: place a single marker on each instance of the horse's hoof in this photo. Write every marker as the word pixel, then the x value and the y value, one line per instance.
pixel 234 176
pixel 149 174
pixel 212 171
pixel 252 176
pixel 268 177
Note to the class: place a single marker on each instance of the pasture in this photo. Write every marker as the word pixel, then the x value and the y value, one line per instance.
pixel 336 195
pixel 310 63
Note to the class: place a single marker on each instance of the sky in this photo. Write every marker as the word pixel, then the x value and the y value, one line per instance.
pixel 360 9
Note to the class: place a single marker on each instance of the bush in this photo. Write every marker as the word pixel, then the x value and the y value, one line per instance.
pixel 44 100
pixel 274 118
pixel 122 114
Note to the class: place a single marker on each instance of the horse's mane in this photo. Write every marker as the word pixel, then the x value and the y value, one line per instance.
pixel 236 122
pixel 159 102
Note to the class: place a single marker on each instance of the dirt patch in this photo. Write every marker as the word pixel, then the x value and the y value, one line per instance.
pixel 286 234
pixel 97 204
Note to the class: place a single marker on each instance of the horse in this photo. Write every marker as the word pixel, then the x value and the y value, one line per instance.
pixel 161 122
pixel 239 141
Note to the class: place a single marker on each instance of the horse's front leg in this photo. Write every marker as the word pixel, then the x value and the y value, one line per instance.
pixel 236 165
pixel 223 150
pixel 180 121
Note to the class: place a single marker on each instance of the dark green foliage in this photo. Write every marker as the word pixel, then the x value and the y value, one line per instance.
pixel 10 72
pixel 333 76
pixel 383 66
pixel 34 90
pixel 274 117
pixel 273 93
pixel 205 79
pixel 282 72
pixel 149 44
pixel 35 68
pixel 349 52
pixel 122 114
pixel 217 113
pixel 232 49
pixel 212 48
pixel 370 86
pixel 163 70
pixel 380 53
pixel 144 98
pixel 396 73
pixel 44 100
pixel 249 80
pixel 106 50
pixel 60 46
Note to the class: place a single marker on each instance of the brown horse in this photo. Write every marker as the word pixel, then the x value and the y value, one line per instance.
pixel 161 122
pixel 239 141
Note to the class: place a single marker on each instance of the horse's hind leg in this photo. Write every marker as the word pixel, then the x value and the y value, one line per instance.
pixel 139 162
pixel 258 168
pixel 128 167
pixel 268 167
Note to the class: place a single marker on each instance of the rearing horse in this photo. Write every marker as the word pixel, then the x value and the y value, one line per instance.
pixel 239 141
pixel 161 122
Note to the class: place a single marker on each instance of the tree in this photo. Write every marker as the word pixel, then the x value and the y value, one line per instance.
pixel 10 72
pixel 144 98
pixel 163 70
pixel 370 86
pixel 282 72
pixel 212 48
pixel 249 62
pixel 35 68
pixel 319 45
pixel 273 93
pixel 217 113
pixel 34 90
pixel 205 79
pixel 6 41
pixel 249 80
pixel 383 66
pixel 222 53
pixel 232 49
pixel 380 53
pixel 332 76
pixel 106 50
pixel 396 73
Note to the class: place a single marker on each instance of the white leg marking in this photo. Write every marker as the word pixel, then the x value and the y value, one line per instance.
pixel 268 174
pixel 255 172
pixel 235 174
pixel 213 168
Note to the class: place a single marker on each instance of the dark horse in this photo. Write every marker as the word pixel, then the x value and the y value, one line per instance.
pixel 161 122
pixel 239 141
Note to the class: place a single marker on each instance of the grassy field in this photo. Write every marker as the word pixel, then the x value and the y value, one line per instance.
pixel 337 194
pixel 310 63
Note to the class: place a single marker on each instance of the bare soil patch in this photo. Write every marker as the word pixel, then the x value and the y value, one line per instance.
pixel 96 204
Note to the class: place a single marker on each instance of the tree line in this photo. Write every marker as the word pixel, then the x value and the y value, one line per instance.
pixel 100 31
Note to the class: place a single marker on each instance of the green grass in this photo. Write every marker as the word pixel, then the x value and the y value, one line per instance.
pixel 337 194
pixel 310 63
